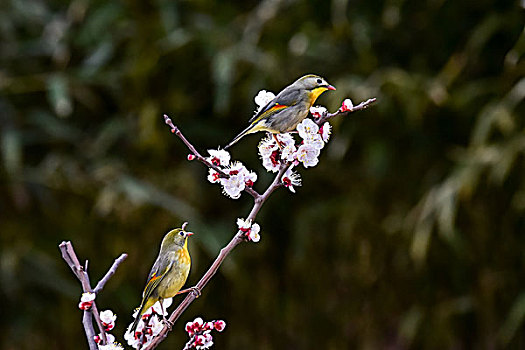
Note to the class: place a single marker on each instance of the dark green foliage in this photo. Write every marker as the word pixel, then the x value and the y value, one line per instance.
pixel 409 233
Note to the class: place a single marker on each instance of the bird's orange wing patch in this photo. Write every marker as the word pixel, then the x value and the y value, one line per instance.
pixel 277 107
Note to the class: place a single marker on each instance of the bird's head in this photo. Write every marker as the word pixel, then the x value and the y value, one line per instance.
pixel 314 84
pixel 312 81
pixel 176 237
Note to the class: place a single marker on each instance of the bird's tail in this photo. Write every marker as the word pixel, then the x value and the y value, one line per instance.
pixel 253 127
pixel 136 322
pixel 238 137
pixel 142 308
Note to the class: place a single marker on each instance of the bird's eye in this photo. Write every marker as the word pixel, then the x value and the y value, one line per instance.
pixel 181 233
pixel 319 81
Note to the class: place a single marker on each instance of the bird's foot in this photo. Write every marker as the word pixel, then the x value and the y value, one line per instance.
pixel 196 291
pixel 279 143
pixel 167 322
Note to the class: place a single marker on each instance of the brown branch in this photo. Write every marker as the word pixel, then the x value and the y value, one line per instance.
pixel 70 257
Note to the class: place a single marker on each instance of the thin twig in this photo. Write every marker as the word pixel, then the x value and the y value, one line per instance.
pixel 175 130
pixel 359 107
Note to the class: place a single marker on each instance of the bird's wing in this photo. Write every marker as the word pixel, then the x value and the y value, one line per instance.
pixel 280 102
pixel 156 276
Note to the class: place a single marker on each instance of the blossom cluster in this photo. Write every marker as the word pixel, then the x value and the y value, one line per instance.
pixel 200 333
pixel 239 176
pixel 149 326
pixel 275 149
pixel 251 231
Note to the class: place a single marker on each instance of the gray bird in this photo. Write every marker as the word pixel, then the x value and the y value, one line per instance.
pixel 288 108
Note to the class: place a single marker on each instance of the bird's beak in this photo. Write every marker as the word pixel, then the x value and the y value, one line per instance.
pixel 330 87
pixel 189 233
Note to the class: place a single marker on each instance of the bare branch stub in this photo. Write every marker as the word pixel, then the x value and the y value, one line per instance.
pixel 110 273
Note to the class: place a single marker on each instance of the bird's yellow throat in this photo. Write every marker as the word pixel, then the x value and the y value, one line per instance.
pixel 314 94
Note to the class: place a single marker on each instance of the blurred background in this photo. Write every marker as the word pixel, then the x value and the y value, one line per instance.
pixel 409 234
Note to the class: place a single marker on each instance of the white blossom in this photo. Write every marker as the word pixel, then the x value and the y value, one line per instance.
pixel 241 224
pixel 156 325
pixel 325 131
pixel 307 154
pixel 250 177
pixel 108 317
pixel 130 338
pixel 251 230
pixel 307 128
pixel 87 297
pixel 213 176
pixel 262 99
pixel 317 111
pixel 86 301
pixel 315 141
pixel 253 234
pixel 219 157
pixel 235 183
pixel 288 152
pixel 267 146
pixel 291 179
pixel 111 345
pixel 285 139
pixel 269 152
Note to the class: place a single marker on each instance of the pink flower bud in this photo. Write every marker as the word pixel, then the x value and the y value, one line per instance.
pixel 347 105
pixel 191 157
pixel 208 326
pixel 219 325
pixel 97 339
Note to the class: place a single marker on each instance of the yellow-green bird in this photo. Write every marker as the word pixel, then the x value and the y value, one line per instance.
pixel 169 272
pixel 288 108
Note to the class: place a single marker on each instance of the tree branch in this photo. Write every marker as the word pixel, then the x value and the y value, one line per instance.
pixel 70 257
